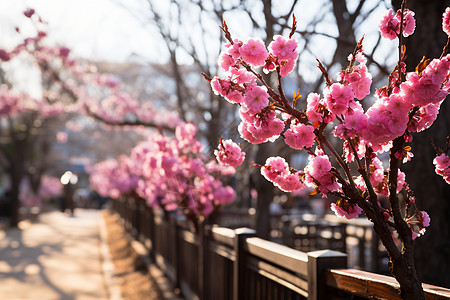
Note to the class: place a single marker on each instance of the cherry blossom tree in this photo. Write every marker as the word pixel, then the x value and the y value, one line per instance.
pixel 358 179
pixel 429 39
pixel 68 86
pixel 169 172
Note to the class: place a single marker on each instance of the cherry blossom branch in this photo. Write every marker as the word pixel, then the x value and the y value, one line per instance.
pixel 364 173
pixel 97 117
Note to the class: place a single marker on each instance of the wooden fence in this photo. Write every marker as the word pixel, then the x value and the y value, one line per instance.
pixel 221 263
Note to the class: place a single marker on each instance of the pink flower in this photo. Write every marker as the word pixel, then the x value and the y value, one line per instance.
pixel 383 125
pixel 442 166
pixel 261 127
pixel 425 219
pixel 424 118
pixel 242 76
pixel 186 131
pixel 359 80
pixel 318 174
pixel 418 226
pixel 254 52
pixel 337 98
pixel 289 182
pixel 226 61
pixel 352 125
pixel 229 154
pixel 219 86
pixel 284 48
pixel 389 25
pixel 224 195
pixel 233 50
pixel 255 99
pixel 299 136
pixel 319 166
pixel 409 23
pixel 446 21
pixel 286 67
pixel 397 105
pixel 351 211
pixel 274 167
pixel 312 108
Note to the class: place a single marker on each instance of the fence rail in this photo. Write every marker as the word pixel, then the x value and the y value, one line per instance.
pixel 221 263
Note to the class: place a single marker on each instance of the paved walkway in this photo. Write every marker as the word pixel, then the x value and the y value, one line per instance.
pixel 58 257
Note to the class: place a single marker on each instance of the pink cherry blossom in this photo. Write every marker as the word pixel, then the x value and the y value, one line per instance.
pixel 319 166
pixel 284 48
pixel 424 117
pixel 260 128
pixel 286 67
pixel 255 99
pixel 351 211
pixel 425 219
pixel 226 61
pixel 289 182
pixel 254 52
pixel 383 125
pixel 229 154
pixel 388 25
pixel 274 167
pixel 299 136
pixel 224 195
pixel 359 80
pixel 352 125
pixel 337 98
pixel 442 164
pixel 233 49
pixel 446 21
pixel 409 23
pixel 313 108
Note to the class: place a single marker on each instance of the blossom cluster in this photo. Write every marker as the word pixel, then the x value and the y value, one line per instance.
pixel 168 172
pixel 230 154
pixel 410 103
pixel 442 165
pixel 389 25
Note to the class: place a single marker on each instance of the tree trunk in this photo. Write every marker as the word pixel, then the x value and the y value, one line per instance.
pixel 16 175
pixel 432 251
pixel 402 269
pixel 265 194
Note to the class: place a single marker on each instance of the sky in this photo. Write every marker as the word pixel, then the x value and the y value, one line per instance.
pixel 103 30
pixel 98 29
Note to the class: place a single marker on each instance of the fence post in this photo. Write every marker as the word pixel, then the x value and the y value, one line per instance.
pixel 176 253
pixel 151 237
pixel 239 264
pixel 202 260
pixel 318 262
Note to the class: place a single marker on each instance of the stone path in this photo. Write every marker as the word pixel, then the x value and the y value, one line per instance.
pixel 58 257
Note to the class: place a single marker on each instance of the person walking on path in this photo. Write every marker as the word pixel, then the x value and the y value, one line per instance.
pixel 56 258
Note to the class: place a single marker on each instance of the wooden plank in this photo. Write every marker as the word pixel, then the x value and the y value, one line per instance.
pixel 222 251
pixel 284 256
pixel 279 276
pixel 223 235
pixel 375 286
pixel 188 237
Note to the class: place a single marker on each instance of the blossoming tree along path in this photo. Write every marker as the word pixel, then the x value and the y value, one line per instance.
pixel 69 86
pixel 171 173
pixel 409 103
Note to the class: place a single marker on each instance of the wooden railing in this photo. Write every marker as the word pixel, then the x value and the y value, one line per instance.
pixel 221 263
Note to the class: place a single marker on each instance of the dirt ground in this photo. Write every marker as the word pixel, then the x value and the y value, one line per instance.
pixel 131 272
